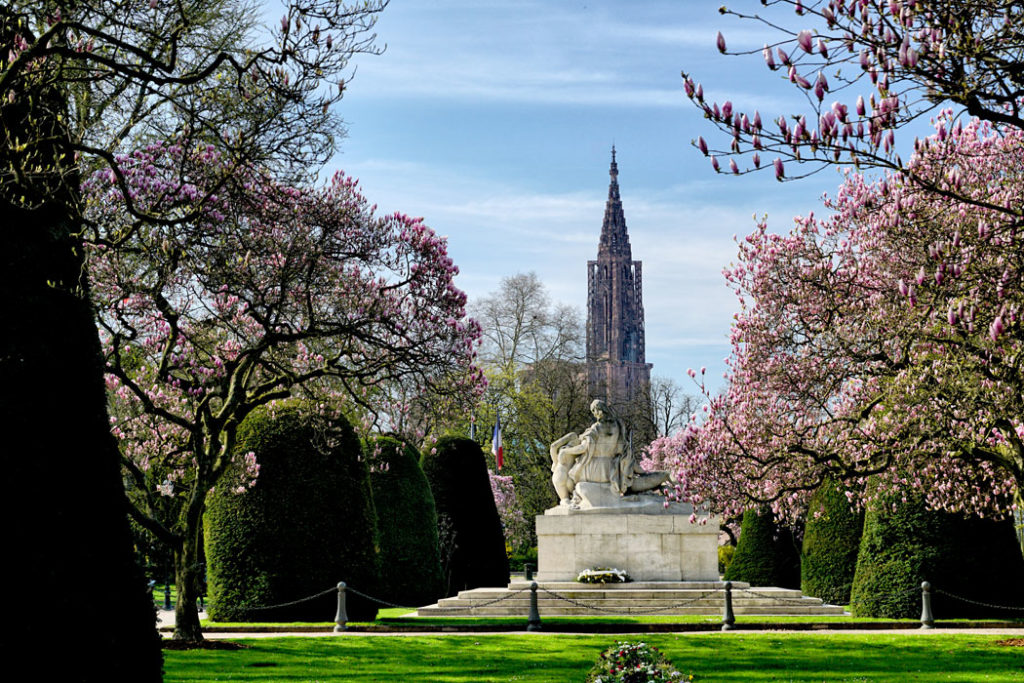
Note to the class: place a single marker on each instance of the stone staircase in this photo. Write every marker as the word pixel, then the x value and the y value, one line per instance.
pixel 648 598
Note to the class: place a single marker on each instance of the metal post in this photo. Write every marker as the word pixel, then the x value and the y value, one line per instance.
pixel 528 566
pixel 341 619
pixel 167 591
pixel 927 620
pixel 728 619
pixel 533 623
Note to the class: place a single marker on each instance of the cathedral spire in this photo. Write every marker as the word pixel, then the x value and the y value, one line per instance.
pixel 614 238
pixel 617 370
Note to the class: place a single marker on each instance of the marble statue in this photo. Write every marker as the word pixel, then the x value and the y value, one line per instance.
pixel 600 455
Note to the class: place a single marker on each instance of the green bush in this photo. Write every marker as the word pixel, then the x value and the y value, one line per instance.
pixel 517 561
pixel 902 546
pixel 406 522
pixel 831 543
pixel 725 555
pixel 471 539
pixel 767 553
pixel 307 524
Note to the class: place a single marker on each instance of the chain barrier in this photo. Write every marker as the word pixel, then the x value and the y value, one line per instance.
pixel 802 600
pixel 293 602
pixel 975 602
pixel 361 594
pixel 486 604
pixel 628 611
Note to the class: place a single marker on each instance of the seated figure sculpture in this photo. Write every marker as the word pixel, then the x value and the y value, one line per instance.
pixel 600 455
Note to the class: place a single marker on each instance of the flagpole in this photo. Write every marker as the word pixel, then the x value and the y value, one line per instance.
pixel 496 446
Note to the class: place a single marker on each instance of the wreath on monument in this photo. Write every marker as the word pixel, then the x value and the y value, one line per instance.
pixel 603 575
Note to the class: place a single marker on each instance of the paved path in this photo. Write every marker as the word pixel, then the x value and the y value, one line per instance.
pixel 166 618
pixel 1010 633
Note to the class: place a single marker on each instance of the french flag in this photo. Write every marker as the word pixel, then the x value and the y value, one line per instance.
pixel 496 448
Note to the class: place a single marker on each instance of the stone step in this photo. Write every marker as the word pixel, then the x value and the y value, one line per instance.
pixel 631 585
pixel 654 598
pixel 577 592
pixel 636 604
pixel 554 611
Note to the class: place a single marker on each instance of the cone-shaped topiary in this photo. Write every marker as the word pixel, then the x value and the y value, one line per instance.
pixel 306 524
pixel 831 543
pixel 766 554
pixel 471 539
pixel 905 543
pixel 407 522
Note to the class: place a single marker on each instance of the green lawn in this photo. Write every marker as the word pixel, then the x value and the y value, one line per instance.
pixel 557 658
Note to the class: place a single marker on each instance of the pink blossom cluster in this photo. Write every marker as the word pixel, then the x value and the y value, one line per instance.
pixel 888 60
pixel 513 521
pixel 884 340
pixel 248 290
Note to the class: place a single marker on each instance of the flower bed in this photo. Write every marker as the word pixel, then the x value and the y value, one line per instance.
pixel 627 662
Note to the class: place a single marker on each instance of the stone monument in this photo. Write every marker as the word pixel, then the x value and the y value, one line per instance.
pixel 610 514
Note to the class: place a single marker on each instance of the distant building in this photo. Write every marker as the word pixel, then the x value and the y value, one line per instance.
pixel 617 370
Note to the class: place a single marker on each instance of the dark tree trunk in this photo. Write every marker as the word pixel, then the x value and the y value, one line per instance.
pixel 76 592
pixel 188 576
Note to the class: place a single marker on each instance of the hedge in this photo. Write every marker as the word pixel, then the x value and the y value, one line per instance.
pixel 905 544
pixel 471 539
pixel 307 524
pixel 831 544
pixel 766 554
pixel 407 524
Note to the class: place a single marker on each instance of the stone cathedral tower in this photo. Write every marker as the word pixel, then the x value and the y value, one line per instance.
pixel 616 368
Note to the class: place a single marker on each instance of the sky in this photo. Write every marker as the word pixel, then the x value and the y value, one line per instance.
pixel 494 121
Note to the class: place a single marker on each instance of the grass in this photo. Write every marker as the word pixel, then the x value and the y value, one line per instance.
pixel 526 657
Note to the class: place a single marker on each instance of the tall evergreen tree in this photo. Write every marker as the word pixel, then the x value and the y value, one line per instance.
pixel 407 524
pixel 306 523
pixel 68 534
pixel 767 553
pixel 905 543
pixel 831 543
pixel 472 543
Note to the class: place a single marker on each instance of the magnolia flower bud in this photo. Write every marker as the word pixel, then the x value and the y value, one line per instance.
pixel 804 40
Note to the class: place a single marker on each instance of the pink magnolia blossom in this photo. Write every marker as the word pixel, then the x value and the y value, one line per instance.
pixel 837 372
pixel 259 290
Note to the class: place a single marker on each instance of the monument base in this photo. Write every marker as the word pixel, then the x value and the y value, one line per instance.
pixel 656 545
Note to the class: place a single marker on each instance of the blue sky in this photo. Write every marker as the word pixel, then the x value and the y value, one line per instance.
pixel 494 121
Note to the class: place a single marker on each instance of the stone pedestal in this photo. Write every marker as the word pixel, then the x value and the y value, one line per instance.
pixel 657 544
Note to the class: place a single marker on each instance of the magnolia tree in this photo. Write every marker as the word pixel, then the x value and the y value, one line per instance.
pixel 513 521
pixel 266 291
pixel 885 340
pixel 79 82
pixel 866 69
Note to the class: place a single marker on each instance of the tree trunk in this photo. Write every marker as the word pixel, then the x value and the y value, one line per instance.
pixel 67 538
pixel 188 572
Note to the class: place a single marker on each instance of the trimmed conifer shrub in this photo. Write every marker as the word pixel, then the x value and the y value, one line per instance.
pixel 831 543
pixel 767 554
pixel 903 544
pixel 306 524
pixel 471 539
pixel 407 523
